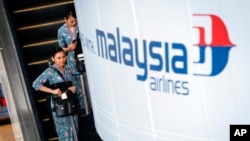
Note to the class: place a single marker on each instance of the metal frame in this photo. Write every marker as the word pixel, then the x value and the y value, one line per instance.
pixel 19 105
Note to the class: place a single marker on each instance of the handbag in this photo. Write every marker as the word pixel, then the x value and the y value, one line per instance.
pixel 68 106
pixel 63 86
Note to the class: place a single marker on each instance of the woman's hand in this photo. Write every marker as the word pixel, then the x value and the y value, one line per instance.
pixel 52 91
pixel 72 46
pixel 72 89
pixel 57 92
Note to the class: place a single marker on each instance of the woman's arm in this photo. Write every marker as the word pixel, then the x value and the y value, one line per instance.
pixel 43 78
pixel 71 47
pixel 51 91
pixel 61 37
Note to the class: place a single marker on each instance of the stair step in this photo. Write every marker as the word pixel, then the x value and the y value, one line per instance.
pixel 28 5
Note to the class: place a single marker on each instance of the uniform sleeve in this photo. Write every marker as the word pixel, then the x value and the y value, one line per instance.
pixel 60 38
pixel 42 78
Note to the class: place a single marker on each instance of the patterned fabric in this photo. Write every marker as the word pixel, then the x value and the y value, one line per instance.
pixel 66 127
pixel 52 77
pixel 65 38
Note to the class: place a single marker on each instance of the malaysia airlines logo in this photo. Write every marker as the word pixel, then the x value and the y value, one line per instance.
pixel 220 45
pixel 118 48
pixel 160 58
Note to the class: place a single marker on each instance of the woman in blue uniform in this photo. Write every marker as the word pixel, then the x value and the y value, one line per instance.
pixel 67 35
pixel 66 127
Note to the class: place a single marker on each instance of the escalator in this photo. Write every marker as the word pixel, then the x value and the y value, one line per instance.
pixel 34 25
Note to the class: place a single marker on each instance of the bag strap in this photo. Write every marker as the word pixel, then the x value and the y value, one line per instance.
pixel 59 73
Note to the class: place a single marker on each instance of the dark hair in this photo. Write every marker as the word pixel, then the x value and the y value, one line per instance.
pixel 55 50
pixel 69 11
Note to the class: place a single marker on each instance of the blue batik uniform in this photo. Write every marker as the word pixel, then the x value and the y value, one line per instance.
pixel 66 127
pixel 65 38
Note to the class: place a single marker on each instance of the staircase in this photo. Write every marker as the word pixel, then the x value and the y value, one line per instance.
pixel 34 24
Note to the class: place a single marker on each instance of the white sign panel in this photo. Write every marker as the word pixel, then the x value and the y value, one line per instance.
pixel 166 70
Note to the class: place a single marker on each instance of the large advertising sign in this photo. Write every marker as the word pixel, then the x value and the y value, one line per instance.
pixel 163 70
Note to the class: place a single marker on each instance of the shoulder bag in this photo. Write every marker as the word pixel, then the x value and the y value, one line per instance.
pixel 67 106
